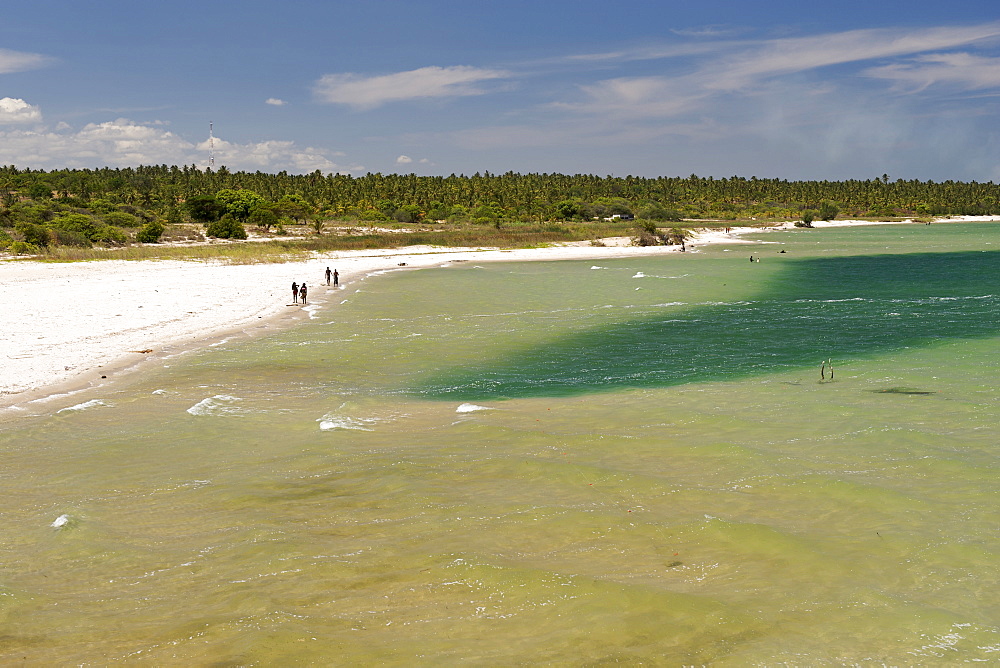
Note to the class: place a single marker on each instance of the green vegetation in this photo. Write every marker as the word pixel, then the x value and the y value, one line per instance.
pixel 89 210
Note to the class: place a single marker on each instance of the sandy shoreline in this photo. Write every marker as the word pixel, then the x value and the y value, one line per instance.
pixel 73 327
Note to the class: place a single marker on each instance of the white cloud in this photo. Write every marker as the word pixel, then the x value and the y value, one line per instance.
pixel 637 97
pixel 276 102
pixel 270 155
pixel 588 132
pixel 659 52
pixel 15 110
pixel 709 31
pixel 965 70
pixel 817 105
pixel 404 160
pixel 362 92
pixel 18 61
pixel 124 143
pixel 743 69
pixel 785 56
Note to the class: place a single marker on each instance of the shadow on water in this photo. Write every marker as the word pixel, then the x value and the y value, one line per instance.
pixel 815 309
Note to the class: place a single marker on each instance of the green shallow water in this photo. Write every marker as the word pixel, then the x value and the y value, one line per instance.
pixel 401 482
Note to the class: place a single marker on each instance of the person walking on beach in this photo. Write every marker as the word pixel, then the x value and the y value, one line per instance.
pixel 336 278
pixel 295 292
pixel 328 275
pixel 302 292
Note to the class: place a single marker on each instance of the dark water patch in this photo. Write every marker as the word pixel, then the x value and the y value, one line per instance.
pixel 815 309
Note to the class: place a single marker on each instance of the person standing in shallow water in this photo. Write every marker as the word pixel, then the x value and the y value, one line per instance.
pixel 302 292
pixel 336 278
pixel 295 292
pixel 328 275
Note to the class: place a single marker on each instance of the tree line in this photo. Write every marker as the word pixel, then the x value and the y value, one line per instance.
pixel 111 206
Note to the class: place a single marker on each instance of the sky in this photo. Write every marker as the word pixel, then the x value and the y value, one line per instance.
pixel 767 88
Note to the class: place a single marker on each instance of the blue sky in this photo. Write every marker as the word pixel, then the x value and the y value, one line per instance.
pixel 767 88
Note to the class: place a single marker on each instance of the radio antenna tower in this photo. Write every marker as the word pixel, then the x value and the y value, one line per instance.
pixel 211 147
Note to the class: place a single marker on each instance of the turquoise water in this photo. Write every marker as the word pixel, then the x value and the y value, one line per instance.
pixel 572 463
pixel 812 309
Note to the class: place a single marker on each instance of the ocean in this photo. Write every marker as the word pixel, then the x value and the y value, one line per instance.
pixel 691 459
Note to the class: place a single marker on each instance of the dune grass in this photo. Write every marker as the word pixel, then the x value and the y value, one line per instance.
pixel 340 239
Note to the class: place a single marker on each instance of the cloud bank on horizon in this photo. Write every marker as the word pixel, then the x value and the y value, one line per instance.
pixel 915 102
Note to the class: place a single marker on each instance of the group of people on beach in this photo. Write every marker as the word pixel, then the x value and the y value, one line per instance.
pixel 300 292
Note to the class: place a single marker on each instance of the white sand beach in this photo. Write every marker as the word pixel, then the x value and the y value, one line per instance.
pixel 70 327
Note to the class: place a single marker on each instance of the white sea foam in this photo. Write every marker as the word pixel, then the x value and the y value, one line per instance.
pixel 596 267
pixel 639 274
pixel 331 422
pixel 93 403
pixel 470 408
pixel 220 404
pixel 60 522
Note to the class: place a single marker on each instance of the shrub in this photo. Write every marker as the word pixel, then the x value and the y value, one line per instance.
pixel 24 248
pixel 99 205
pixel 263 217
pixel 567 209
pixel 828 211
pixel 121 219
pixel 677 236
pixel 63 237
pixel 808 216
pixel 34 235
pixel 77 222
pixel 409 213
pixel 658 212
pixel 40 191
pixel 438 211
pixel 647 234
pixel 226 227
pixel 174 216
pixel 109 235
pixel 459 214
pixel 239 203
pixel 204 208
pixel 150 233
pixel 373 215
